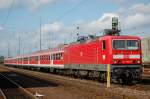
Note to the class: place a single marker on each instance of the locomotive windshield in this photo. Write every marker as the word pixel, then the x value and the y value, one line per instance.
pixel 125 44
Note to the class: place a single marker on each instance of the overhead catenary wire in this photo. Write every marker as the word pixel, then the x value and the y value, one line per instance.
pixel 40 34
pixel 3 24
pixel 70 10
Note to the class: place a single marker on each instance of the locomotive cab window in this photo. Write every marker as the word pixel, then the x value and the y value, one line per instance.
pixel 119 44
pixel 132 44
pixel 125 44
pixel 103 44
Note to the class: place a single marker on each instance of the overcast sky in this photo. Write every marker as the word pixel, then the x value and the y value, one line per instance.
pixel 60 18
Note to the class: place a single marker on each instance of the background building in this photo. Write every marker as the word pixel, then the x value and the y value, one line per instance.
pixel 146 49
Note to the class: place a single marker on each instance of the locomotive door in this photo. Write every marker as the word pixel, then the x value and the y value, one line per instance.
pixel 103 52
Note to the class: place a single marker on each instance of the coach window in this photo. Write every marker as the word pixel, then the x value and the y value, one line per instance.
pixel 54 56
pixel 103 45
pixel 51 57
pixel 47 58
pixel 61 56
pixel 30 59
pixel 57 57
pixel 20 59
pixel 44 57
pixel 36 58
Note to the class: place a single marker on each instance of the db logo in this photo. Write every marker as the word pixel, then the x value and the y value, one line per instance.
pixel 126 56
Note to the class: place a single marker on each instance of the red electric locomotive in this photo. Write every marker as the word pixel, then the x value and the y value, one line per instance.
pixel 123 53
pixel 89 56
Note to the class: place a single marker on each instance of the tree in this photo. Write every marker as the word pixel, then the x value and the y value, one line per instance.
pixel 1 59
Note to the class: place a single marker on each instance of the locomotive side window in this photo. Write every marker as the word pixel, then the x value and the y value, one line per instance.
pixel 103 44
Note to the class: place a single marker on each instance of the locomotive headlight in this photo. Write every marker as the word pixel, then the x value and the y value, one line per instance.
pixel 119 56
pixel 115 61
pixel 134 56
pixel 138 61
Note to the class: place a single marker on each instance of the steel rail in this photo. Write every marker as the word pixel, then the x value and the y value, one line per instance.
pixel 2 93
pixel 20 88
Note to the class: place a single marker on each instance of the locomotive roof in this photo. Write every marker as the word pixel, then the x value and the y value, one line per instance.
pixel 125 37
pixel 106 37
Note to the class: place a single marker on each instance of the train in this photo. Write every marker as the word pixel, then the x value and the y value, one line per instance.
pixel 89 56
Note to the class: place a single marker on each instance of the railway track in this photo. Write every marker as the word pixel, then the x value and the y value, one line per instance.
pixel 69 87
pixel 11 90
pixel 140 90
pixel 2 95
pixel 147 71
